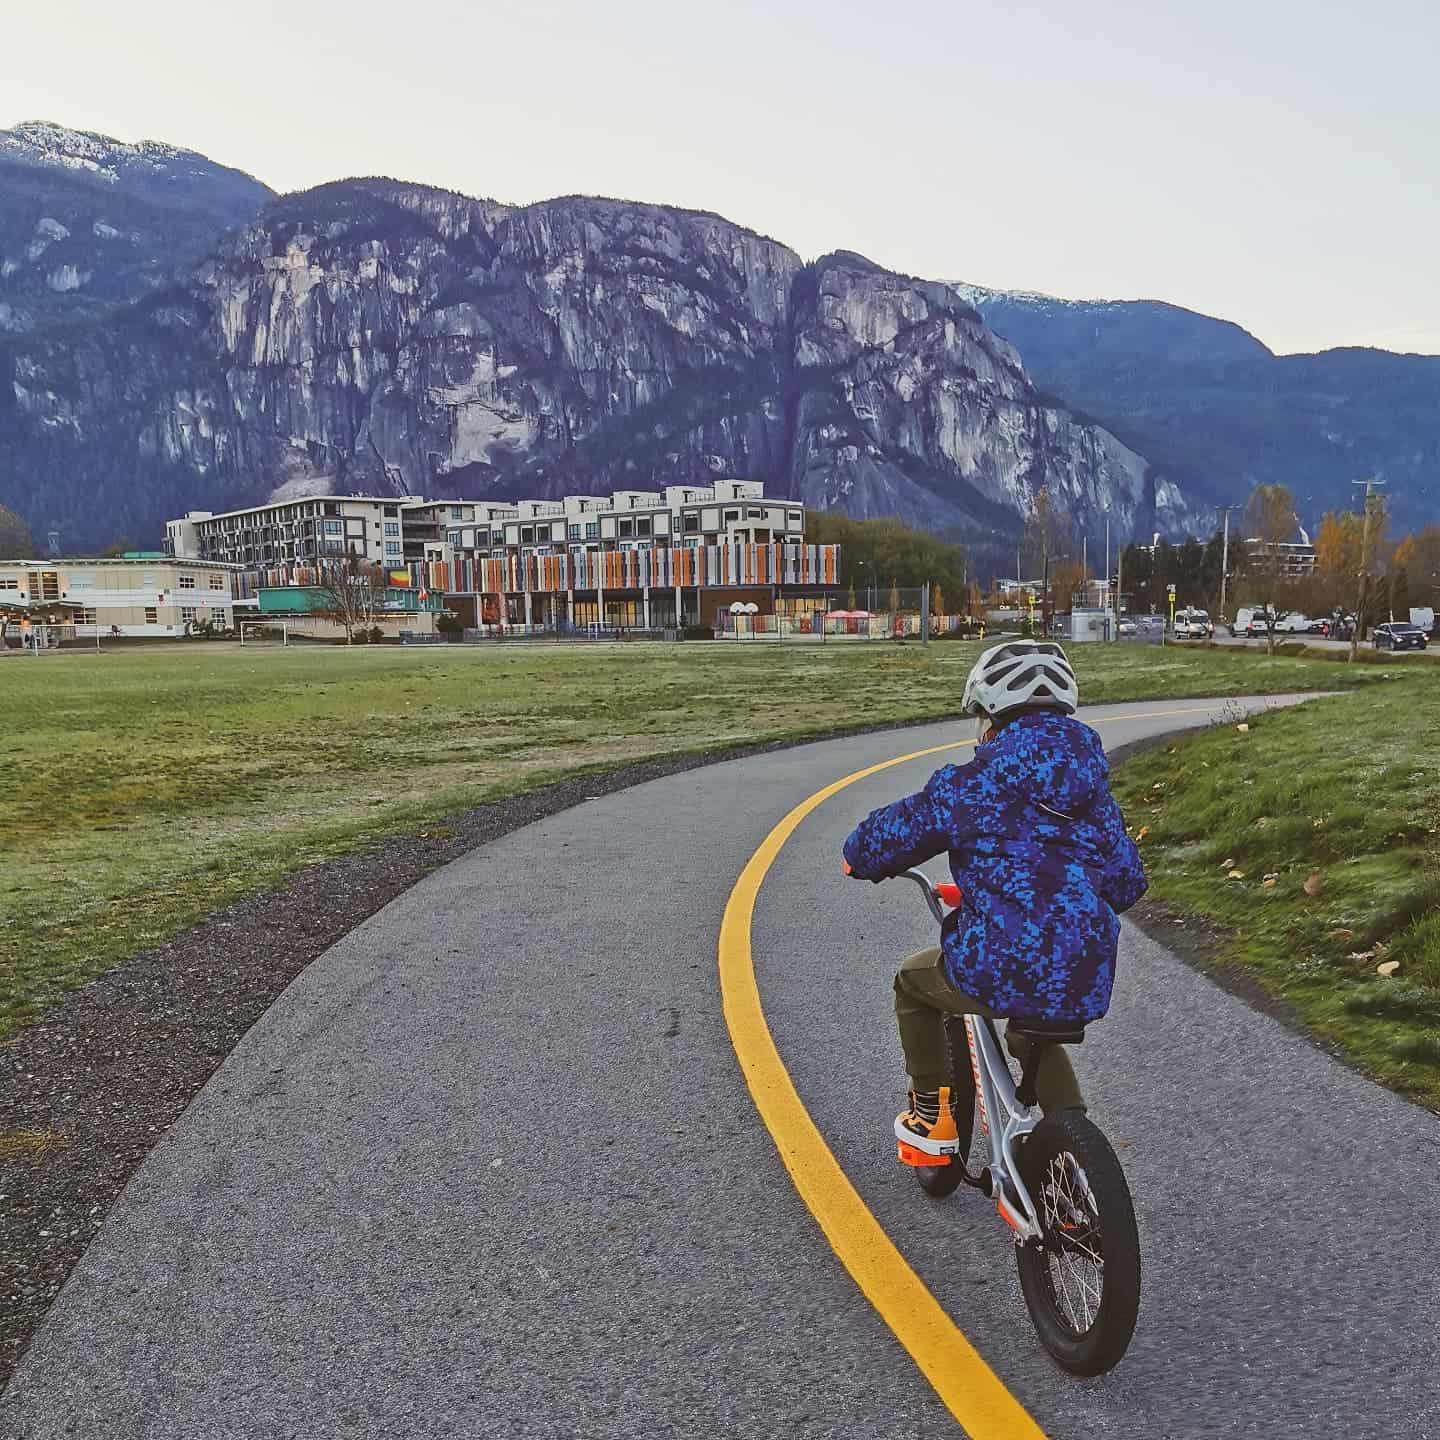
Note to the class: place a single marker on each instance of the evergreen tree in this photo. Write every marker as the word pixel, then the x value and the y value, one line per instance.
pixel 16 542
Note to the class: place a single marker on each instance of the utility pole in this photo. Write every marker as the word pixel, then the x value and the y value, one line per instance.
pixel 1107 554
pixel 1225 562
pixel 1119 585
pixel 1364 566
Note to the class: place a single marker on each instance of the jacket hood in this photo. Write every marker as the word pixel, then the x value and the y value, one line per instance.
pixel 1051 757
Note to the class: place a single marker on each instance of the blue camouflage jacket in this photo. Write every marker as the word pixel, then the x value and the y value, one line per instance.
pixel 1039 849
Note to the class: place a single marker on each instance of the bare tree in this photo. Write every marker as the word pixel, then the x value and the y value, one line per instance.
pixel 352 593
pixel 1270 521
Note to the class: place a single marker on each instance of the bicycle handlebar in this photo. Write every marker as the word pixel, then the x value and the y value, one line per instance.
pixel 937 897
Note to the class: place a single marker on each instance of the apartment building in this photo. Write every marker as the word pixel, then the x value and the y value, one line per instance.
pixel 140 594
pixel 601 555
pixel 645 559
pixel 1293 559
pixel 311 531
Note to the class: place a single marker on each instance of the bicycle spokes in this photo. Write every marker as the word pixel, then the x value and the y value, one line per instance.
pixel 1072 1240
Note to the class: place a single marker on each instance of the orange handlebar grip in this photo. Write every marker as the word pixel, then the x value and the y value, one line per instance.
pixel 846 865
pixel 949 895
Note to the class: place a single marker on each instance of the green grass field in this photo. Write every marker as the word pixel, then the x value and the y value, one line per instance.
pixel 144 789
pixel 1345 790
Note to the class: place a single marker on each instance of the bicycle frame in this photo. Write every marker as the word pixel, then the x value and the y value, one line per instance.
pixel 995 1092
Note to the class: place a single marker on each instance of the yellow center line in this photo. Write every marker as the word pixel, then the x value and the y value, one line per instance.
pixel 969 1388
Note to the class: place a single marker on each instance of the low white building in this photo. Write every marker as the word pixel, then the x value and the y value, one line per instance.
pixel 135 595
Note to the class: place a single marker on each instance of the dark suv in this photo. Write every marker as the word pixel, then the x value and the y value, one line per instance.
pixel 1397 636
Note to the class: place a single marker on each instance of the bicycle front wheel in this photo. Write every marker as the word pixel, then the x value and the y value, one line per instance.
pixel 1082 1280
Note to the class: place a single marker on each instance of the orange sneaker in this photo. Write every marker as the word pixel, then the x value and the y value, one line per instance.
pixel 927 1129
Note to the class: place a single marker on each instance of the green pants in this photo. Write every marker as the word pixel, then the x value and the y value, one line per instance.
pixel 924 996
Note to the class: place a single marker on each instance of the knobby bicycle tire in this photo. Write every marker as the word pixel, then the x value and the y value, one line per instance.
pixel 1084 1322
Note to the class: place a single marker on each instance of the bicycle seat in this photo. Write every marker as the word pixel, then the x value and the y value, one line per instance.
pixel 1048 1032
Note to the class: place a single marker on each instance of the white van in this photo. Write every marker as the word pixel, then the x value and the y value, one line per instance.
pixel 1193 624
pixel 1251 621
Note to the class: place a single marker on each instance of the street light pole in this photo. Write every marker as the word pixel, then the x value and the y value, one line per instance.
pixel 1364 566
pixel 1045 594
pixel 1225 560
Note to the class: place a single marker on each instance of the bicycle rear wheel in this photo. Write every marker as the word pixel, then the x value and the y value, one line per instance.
pixel 942 1180
pixel 1082 1280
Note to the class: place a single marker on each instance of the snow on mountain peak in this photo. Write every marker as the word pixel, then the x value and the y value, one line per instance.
pixel 44 142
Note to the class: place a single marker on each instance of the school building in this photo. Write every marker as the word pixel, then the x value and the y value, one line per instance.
pixel 140 594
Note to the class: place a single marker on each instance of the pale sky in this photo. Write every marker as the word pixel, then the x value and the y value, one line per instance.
pixel 1273 162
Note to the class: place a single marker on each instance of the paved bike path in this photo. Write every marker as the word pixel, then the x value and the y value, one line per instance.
pixel 488 1168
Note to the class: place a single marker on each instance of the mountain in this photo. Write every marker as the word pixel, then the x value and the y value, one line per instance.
pixel 88 222
pixel 377 336
pixel 1218 413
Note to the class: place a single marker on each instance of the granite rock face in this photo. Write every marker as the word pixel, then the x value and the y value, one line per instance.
pixel 377 336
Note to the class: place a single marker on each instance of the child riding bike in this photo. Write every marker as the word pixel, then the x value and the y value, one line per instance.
pixel 1039 850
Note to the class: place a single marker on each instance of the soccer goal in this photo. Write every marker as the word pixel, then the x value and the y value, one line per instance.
pixel 264 632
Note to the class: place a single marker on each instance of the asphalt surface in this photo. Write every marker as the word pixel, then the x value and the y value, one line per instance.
pixel 489 1168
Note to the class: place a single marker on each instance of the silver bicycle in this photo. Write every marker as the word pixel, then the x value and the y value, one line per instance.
pixel 1055 1181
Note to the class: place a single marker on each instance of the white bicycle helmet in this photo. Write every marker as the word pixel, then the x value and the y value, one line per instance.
pixel 1021 675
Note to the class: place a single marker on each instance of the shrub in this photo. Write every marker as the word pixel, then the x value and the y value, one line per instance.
pixel 447 624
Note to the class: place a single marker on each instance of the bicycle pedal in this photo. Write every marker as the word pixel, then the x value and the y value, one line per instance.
pixel 921 1159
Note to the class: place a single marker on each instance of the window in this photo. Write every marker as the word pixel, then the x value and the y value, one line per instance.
pixel 392 512
pixel 217 582
pixel 392 529
pixel 187 582
pixel 152 616
pixel 592 529
pixel 9 582
pixel 627 527
pixel 756 513
pixel 334 527
pixel 732 514
pixel 527 535
pixel 642 527
pixel 454 539
pixel 482 537
pixel 574 532
pixel 187 613
pixel 457 512
pixel 85 617
pixel 692 524
pixel 394 547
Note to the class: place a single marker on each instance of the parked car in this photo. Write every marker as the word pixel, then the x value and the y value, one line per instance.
pixel 1128 627
pixel 1294 624
pixel 1398 635
pixel 1193 624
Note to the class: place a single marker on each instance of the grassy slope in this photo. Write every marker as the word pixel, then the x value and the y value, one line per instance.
pixel 142 790
pixel 1347 789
